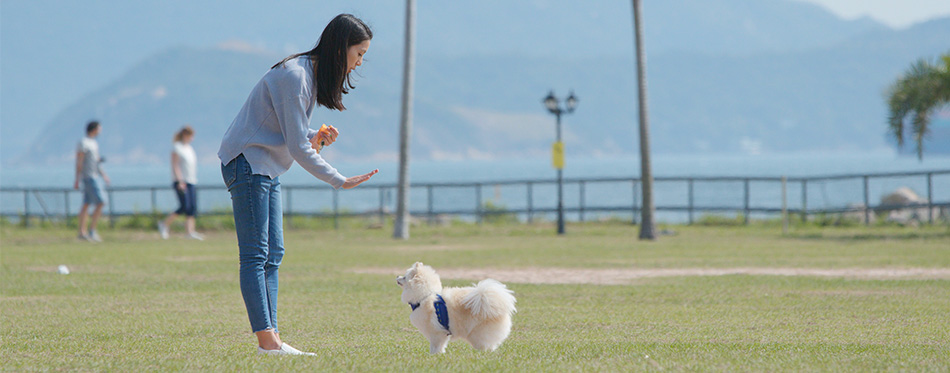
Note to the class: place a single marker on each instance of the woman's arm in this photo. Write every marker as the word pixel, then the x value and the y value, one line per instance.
pixel 291 97
pixel 292 117
pixel 176 170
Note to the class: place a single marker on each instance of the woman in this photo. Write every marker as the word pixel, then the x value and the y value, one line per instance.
pixel 271 132
pixel 185 174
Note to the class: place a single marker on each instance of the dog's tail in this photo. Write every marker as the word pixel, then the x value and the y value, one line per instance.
pixel 490 299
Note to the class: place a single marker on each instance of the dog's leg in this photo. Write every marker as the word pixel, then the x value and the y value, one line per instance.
pixel 483 345
pixel 437 343
pixel 488 337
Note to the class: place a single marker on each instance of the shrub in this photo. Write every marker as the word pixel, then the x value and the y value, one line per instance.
pixel 493 213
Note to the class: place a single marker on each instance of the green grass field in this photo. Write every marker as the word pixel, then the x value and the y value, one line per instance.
pixel 139 303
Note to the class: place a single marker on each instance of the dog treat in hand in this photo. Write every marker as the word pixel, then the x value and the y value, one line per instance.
pixel 323 131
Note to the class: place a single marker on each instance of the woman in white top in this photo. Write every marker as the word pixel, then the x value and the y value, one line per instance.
pixel 269 134
pixel 185 174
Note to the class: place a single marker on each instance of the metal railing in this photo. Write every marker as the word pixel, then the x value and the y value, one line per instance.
pixel 749 197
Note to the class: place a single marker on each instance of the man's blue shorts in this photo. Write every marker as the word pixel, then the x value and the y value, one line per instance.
pixel 93 191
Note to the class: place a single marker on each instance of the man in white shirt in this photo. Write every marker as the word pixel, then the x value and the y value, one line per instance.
pixel 94 180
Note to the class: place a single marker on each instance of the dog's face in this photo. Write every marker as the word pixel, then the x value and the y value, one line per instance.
pixel 419 281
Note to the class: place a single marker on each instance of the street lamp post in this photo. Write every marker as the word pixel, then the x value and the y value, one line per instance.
pixel 554 106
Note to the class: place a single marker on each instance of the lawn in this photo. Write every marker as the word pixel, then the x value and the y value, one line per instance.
pixel 138 303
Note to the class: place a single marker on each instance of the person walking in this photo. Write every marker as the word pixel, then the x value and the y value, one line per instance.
pixel 94 180
pixel 271 132
pixel 185 176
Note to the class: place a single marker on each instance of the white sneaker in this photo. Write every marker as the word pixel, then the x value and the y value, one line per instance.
pixel 285 349
pixel 83 237
pixel 94 236
pixel 196 236
pixel 163 230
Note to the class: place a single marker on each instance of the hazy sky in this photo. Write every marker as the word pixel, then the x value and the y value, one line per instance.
pixel 894 13
pixel 104 38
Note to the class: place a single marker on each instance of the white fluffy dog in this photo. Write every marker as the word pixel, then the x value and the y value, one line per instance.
pixel 480 315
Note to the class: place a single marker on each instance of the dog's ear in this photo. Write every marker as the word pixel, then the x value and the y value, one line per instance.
pixel 417 265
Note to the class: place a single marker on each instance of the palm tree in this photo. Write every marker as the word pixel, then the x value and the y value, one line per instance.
pixel 401 226
pixel 924 88
pixel 647 228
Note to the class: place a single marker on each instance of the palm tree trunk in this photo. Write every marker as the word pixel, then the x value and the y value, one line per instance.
pixel 647 229
pixel 401 227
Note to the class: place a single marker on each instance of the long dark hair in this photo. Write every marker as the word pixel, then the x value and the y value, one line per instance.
pixel 330 78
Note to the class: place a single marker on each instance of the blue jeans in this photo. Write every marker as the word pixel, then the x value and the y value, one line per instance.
pixel 259 224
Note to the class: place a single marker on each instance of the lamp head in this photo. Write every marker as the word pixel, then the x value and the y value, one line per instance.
pixel 551 102
pixel 571 102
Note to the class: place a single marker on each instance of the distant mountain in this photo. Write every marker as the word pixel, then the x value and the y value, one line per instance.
pixel 207 87
pixel 140 111
pixel 749 97
pixel 829 99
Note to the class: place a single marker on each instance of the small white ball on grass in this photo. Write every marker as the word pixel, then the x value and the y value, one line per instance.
pixel 63 270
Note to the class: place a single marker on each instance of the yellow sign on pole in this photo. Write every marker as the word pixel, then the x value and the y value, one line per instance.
pixel 557 155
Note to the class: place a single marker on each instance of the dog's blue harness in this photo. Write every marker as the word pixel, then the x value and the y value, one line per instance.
pixel 441 311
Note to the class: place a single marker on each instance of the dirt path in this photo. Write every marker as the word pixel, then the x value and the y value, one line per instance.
pixel 619 276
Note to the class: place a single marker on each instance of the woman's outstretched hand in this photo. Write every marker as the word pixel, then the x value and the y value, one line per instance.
pixel 352 182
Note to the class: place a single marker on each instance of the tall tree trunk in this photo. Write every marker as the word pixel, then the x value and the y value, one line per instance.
pixel 401 227
pixel 647 229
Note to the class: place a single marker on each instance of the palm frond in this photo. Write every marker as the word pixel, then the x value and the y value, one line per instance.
pixel 943 90
pixel 920 130
pixel 923 88
pixel 899 108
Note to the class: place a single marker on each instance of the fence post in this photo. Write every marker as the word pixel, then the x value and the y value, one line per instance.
pixel 154 206
pixel 111 210
pixel 634 209
pixel 804 200
pixel 66 206
pixel 42 203
pixel 745 188
pixel 582 200
pixel 382 203
pixel 930 198
pixel 784 206
pixel 336 209
pixel 429 199
pixel 478 202
pixel 690 183
pixel 290 203
pixel 530 204
pixel 26 208
pixel 867 204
